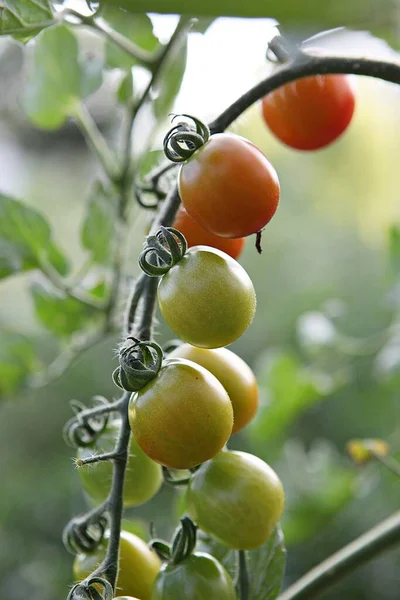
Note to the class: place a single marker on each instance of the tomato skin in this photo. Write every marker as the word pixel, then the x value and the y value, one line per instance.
pixel 183 417
pixel 310 113
pixel 207 298
pixel 196 235
pixel 229 187
pixel 143 477
pixel 198 577
pixel 236 498
pixel 234 374
pixel 139 566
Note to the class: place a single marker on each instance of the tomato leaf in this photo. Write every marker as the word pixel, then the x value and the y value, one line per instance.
pixel 288 389
pixel 266 566
pixel 17 361
pixel 226 556
pixel 98 230
pixel 138 28
pixel 171 78
pixel 58 78
pixel 24 18
pixel 394 248
pixel 25 235
pixel 59 313
pixel 125 89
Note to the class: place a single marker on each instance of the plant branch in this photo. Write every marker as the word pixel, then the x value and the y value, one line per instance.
pixel 95 140
pixel 243 581
pixel 303 65
pixel 389 462
pixel 80 462
pixel 365 548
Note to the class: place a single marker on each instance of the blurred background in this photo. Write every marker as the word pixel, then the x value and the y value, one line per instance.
pixel 325 343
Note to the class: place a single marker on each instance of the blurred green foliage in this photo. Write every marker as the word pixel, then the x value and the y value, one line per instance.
pixel 324 344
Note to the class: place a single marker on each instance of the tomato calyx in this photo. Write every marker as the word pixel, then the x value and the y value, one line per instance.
pixel 87 590
pixel 162 251
pixel 83 534
pixel 182 545
pixel 139 363
pixel 80 433
pixel 185 138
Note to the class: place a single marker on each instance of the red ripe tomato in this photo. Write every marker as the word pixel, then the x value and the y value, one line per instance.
pixel 229 187
pixel 196 235
pixel 310 113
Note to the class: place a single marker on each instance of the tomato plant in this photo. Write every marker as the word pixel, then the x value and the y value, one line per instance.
pixel 138 565
pixel 198 577
pixel 310 113
pixel 237 498
pixel 143 476
pixel 207 298
pixel 234 374
pixel 229 187
pixel 196 235
pixel 183 416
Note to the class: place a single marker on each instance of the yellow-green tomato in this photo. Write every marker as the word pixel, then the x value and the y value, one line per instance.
pixel 207 298
pixel 234 374
pixel 183 416
pixel 138 565
pixel 143 477
pixel 198 577
pixel 237 498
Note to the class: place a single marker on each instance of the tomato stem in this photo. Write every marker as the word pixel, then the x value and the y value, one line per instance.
pixel 243 582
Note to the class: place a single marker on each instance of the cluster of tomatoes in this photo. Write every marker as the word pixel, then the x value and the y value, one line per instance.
pixel 185 407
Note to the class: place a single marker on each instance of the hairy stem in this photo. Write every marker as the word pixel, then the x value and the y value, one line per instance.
pixel 370 545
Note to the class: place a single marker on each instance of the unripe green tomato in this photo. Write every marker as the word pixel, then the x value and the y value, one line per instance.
pixel 237 498
pixel 207 298
pixel 234 374
pixel 183 416
pixel 138 565
pixel 198 577
pixel 143 477
pixel 126 598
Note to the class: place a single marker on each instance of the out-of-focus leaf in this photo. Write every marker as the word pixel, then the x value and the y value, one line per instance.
pixel 138 28
pixel 98 230
pixel 316 483
pixel 125 89
pixel 24 18
pixel 61 314
pixel 394 249
pixel 169 83
pixel 17 361
pixel 377 15
pixel 25 236
pixel 288 388
pixel 58 77
pixel 266 564
pixel 315 331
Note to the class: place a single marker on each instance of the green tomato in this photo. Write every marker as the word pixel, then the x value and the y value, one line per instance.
pixel 143 477
pixel 237 498
pixel 183 417
pixel 138 565
pixel 198 577
pixel 207 298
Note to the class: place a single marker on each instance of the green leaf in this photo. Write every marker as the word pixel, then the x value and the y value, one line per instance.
pixel 288 389
pixel 58 78
pixel 125 90
pixel 24 18
pixel 317 483
pixel 137 28
pixel 266 564
pixel 25 236
pixel 17 361
pixel 169 84
pixel 394 248
pixel 59 313
pixel 98 230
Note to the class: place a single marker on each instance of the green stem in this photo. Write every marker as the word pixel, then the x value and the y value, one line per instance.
pixel 365 548
pixel 243 582
pixel 95 140
pixel 389 462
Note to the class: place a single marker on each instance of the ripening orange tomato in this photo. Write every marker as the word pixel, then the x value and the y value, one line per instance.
pixel 310 113
pixel 229 186
pixel 196 235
